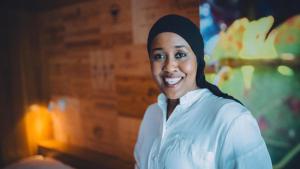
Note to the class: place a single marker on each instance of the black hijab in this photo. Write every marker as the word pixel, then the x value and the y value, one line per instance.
pixel 191 33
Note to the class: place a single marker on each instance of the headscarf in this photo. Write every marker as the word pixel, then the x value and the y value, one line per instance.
pixel 191 33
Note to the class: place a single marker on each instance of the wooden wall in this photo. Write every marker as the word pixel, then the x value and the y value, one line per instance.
pixel 98 67
pixel 90 59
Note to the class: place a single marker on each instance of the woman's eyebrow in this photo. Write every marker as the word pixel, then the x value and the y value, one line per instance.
pixel 180 46
pixel 176 46
pixel 157 49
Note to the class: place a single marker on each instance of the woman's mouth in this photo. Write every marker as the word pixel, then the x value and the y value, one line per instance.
pixel 172 81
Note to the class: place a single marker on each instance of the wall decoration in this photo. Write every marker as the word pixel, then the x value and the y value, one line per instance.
pixel 102 70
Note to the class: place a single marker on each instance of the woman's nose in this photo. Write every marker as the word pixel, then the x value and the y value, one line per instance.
pixel 170 65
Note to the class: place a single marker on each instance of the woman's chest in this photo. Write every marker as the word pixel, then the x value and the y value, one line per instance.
pixel 182 150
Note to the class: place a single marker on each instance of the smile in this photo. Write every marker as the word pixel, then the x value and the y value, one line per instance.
pixel 172 81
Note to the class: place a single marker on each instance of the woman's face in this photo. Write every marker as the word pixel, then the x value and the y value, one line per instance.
pixel 173 65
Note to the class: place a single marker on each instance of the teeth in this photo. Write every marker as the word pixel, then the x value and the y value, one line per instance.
pixel 172 81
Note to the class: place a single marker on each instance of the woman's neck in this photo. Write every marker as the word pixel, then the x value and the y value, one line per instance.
pixel 171 106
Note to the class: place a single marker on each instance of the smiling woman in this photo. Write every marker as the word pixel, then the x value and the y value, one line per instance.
pixel 173 65
pixel 193 124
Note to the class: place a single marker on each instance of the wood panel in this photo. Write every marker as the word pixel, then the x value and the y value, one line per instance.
pixel 102 70
pixel 100 128
pixel 137 91
pixel 127 134
pixel 145 13
pixel 132 60
pixel 134 82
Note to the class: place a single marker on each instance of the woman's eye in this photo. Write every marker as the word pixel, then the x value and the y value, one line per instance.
pixel 180 55
pixel 158 57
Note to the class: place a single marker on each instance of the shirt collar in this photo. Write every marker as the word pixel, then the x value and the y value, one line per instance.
pixel 185 101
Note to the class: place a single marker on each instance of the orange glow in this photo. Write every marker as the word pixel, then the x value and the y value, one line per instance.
pixel 38 126
pixel 65 113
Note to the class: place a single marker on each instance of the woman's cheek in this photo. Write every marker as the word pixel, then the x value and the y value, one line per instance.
pixel 188 68
pixel 156 71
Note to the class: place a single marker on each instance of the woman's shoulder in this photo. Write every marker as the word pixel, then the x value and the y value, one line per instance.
pixel 242 139
pixel 236 119
pixel 152 111
pixel 233 109
pixel 153 107
pixel 152 117
pixel 225 111
pixel 217 106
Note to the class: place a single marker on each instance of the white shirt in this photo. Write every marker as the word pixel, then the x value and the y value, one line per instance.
pixel 203 132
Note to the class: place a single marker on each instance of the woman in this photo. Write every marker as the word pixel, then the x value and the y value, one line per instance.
pixel 193 125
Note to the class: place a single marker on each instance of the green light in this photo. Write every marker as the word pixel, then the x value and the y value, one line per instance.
pixel 285 70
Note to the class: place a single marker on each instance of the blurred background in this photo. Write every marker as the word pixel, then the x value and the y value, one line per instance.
pixel 75 79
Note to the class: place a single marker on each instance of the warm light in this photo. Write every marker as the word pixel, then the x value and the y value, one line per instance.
pixel 285 70
pixel 38 125
pixel 65 113
pixel 247 75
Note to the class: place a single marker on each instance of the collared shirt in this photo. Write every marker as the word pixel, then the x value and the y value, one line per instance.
pixel 203 132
